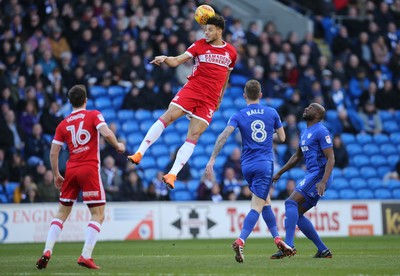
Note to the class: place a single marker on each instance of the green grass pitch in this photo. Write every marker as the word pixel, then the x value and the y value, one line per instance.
pixel 351 256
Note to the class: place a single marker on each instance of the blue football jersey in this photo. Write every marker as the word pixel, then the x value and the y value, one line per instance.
pixel 256 124
pixel 313 140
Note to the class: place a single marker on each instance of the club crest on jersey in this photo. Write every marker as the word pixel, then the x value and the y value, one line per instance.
pixel 328 139
pixel 303 142
pixel 101 118
pixel 309 135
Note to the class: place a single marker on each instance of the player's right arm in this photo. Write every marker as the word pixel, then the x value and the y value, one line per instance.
pixel 280 132
pixel 171 61
pixel 221 140
pixel 54 153
pixel 290 164
pixel 107 133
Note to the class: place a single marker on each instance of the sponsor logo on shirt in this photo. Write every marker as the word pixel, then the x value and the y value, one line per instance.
pixel 223 60
pixel 101 118
pixel 91 193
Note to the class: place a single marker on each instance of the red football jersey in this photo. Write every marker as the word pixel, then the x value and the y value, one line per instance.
pixel 80 131
pixel 211 67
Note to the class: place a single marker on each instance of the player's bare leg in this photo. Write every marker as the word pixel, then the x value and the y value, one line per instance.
pixel 196 128
pixel 173 112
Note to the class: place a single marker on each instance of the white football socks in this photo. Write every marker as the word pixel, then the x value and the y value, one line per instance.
pixel 182 157
pixel 52 236
pixel 152 135
pixel 92 233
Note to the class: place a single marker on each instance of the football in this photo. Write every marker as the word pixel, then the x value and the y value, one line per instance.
pixel 203 13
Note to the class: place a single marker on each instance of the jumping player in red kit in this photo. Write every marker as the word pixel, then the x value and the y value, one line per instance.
pixel 80 130
pixel 199 98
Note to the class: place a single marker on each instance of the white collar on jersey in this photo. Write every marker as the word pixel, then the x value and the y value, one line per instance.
pixel 77 110
pixel 219 46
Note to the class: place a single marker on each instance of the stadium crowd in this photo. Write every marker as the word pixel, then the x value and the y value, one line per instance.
pixel 47 47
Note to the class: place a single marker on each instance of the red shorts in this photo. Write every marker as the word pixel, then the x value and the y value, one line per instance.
pixel 202 109
pixel 85 178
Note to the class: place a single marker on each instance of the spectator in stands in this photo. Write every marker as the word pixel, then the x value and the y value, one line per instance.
pixel 32 195
pixel 207 181
pixel 36 146
pixel 245 193
pixel 291 128
pixel 381 51
pixel 29 117
pixel 363 49
pixel 13 136
pixel 17 168
pixel 111 178
pixel 395 174
pixel 50 118
pixel 371 119
pixel 230 183
pixel 46 189
pixel 293 106
pixel 358 84
pixel 164 96
pixel 387 99
pixel 159 188
pixel 369 95
pixel 340 151
pixel 216 193
pixel 291 149
pixel 290 186
pixel 341 44
pixel 275 87
pixel 233 161
pixel 59 44
pixel 132 188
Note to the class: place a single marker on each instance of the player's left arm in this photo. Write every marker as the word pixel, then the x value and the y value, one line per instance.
pixel 171 61
pixel 221 140
pixel 223 89
pixel 330 157
pixel 54 153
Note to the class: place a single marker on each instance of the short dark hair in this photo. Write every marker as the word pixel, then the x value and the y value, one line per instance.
pixel 77 95
pixel 252 89
pixel 217 20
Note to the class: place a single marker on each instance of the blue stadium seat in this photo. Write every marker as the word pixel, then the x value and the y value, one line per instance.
pixel 218 116
pixel 391 126
pixel 116 91
pixel 240 103
pixel 368 172
pixel 125 115
pixel 208 138
pixel 228 148
pixel 195 173
pixel 383 170
pixel 117 102
pixel 275 103
pixel 199 162
pixel 149 174
pixel 237 80
pixel 220 161
pixel 145 125
pixel 182 125
pixel 392 184
pixel 130 127
pixel 182 195
pixel 365 194
pixel 358 183
pixel 347 194
pixel 301 125
pixel 348 138
pixel 381 139
pixel 90 104
pixel 226 103
pixel 158 149
pixel 218 126
pixel 331 194
pixel 337 172
pixel 10 188
pixel 142 114
pixel 385 115
pixel 331 115
pixel 383 193
pixel 109 114
pixel 396 194
pixel 134 139
pixel 353 149
pixel 393 159
pixel 339 184
pixel 162 161
pixel 148 162
pixel 359 160
pixel 157 113
pixel 102 103
pixel 395 138
pixel 48 138
pixel 297 173
pixel 388 149
pixel 363 138
pixel 371 149
pixel 227 113
pixel 97 91
pixel 374 183
pixel 350 172
pixel 378 160
pixel 3 198
pixel 172 138
pixel 180 186
pixel 193 185
pixel 236 91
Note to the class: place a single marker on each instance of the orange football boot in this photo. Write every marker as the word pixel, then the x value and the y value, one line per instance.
pixel 135 158
pixel 169 180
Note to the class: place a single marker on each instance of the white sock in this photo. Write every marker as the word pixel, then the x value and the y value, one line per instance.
pixel 52 236
pixel 182 157
pixel 92 233
pixel 152 135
